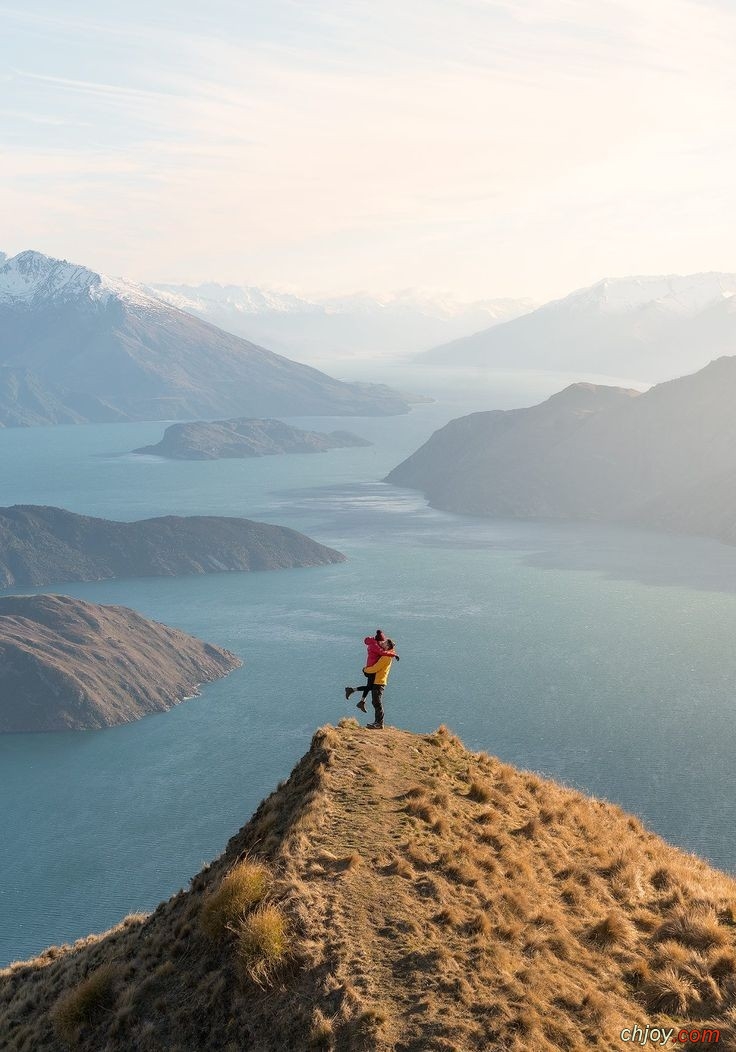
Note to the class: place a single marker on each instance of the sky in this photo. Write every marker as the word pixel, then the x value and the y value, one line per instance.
pixel 480 148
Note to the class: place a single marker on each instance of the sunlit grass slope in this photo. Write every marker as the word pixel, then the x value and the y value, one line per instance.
pixel 401 893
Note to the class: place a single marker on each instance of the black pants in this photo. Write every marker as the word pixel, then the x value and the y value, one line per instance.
pixel 370 677
pixel 377 700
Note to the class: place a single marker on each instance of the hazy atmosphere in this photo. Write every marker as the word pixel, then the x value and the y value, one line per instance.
pixel 367 526
pixel 475 148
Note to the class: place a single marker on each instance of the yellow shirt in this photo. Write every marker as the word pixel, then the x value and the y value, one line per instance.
pixel 381 668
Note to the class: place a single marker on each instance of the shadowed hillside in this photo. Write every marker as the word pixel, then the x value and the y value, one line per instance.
pixel 401 893
pixel 665 458
pixel 70 665
pixel 40 544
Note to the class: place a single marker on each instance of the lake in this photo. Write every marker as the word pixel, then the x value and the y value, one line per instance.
pixel 600 656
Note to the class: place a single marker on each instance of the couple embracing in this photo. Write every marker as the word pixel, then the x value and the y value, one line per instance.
pixel 381 653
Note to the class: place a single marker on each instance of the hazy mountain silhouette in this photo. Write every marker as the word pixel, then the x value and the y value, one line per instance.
pixel 665 458
pixel 647 328
pixel 341 325
pixel 78 346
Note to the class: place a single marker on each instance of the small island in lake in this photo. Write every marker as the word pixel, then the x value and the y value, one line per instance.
pixel 70 665
pixel 40 545
pixel 244 437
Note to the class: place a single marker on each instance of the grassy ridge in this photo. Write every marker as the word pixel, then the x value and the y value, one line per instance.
pixel 399 892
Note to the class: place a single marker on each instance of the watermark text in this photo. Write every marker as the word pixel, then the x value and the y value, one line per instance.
pixel 657 1035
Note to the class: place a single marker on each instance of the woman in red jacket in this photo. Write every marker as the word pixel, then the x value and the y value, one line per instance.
pixel 377 647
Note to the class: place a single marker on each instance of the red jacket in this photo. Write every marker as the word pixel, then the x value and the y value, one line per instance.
pixel 376 651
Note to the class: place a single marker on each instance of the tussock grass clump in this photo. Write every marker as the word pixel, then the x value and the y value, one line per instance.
pixel 529 829
pixel 670 992
pixel 369 1022
pixel 611 930
pixel 479 792
pixel 462 872
pixel 420 808
pixel 262 943
pixel 323 1030
pixel 239 891
pixel 401 868
pixel 485 817
pixel 662 879
pixel 671 954
pixel 696 926
pixel 722 965
pixel 479 924
pixel 85 1004
pixel 448 917
pixel 441 827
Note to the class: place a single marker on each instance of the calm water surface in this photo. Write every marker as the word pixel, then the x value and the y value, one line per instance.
pixel 603 657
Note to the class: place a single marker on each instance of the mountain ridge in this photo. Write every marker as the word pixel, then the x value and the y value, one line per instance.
pixel 416 897
pixel 647 327
pixel 76 346
pixel 337 326
pixel 41 545
pixel 630 457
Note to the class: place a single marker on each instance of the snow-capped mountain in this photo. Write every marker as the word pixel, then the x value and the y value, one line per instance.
pixel 649 328
pixel 682 295
pixel 78 346
pixel 32 280
pixel 331 328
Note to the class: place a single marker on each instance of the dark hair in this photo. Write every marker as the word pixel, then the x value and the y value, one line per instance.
pixel 379 634
pixel 390 644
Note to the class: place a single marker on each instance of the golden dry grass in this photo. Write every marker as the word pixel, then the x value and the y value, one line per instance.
pixel 261 943
pixel 86 1003
pixel 400 893
pixel 242 888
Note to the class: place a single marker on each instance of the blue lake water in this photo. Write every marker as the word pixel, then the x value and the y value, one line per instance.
pixel 601 656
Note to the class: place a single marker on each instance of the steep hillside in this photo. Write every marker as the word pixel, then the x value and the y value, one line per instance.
pixel 78 346
pixel 647 328
pixel 661 458
pixel 70 665
pixel 400 894
pixel 515 463
pixel 246 437
pixel 40 545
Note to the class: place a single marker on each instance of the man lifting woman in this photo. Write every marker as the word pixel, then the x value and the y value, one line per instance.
pixel 381 654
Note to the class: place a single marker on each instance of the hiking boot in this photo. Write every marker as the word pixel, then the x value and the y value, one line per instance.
pixel 374 726
pixel 348 692
pixel 361 705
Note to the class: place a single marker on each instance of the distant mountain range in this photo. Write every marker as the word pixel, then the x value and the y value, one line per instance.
pixel 341 326
pixel 666 458
pixel 648 328
pixel 77 346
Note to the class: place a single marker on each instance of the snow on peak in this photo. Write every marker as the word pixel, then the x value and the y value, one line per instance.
pixel 251 299
pixel 686 295
pixel 244 299
pixel 32 279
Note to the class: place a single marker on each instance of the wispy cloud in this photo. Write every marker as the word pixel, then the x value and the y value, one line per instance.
pixel 508 147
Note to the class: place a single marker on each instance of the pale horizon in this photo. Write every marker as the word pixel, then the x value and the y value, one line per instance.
pixel 474 150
